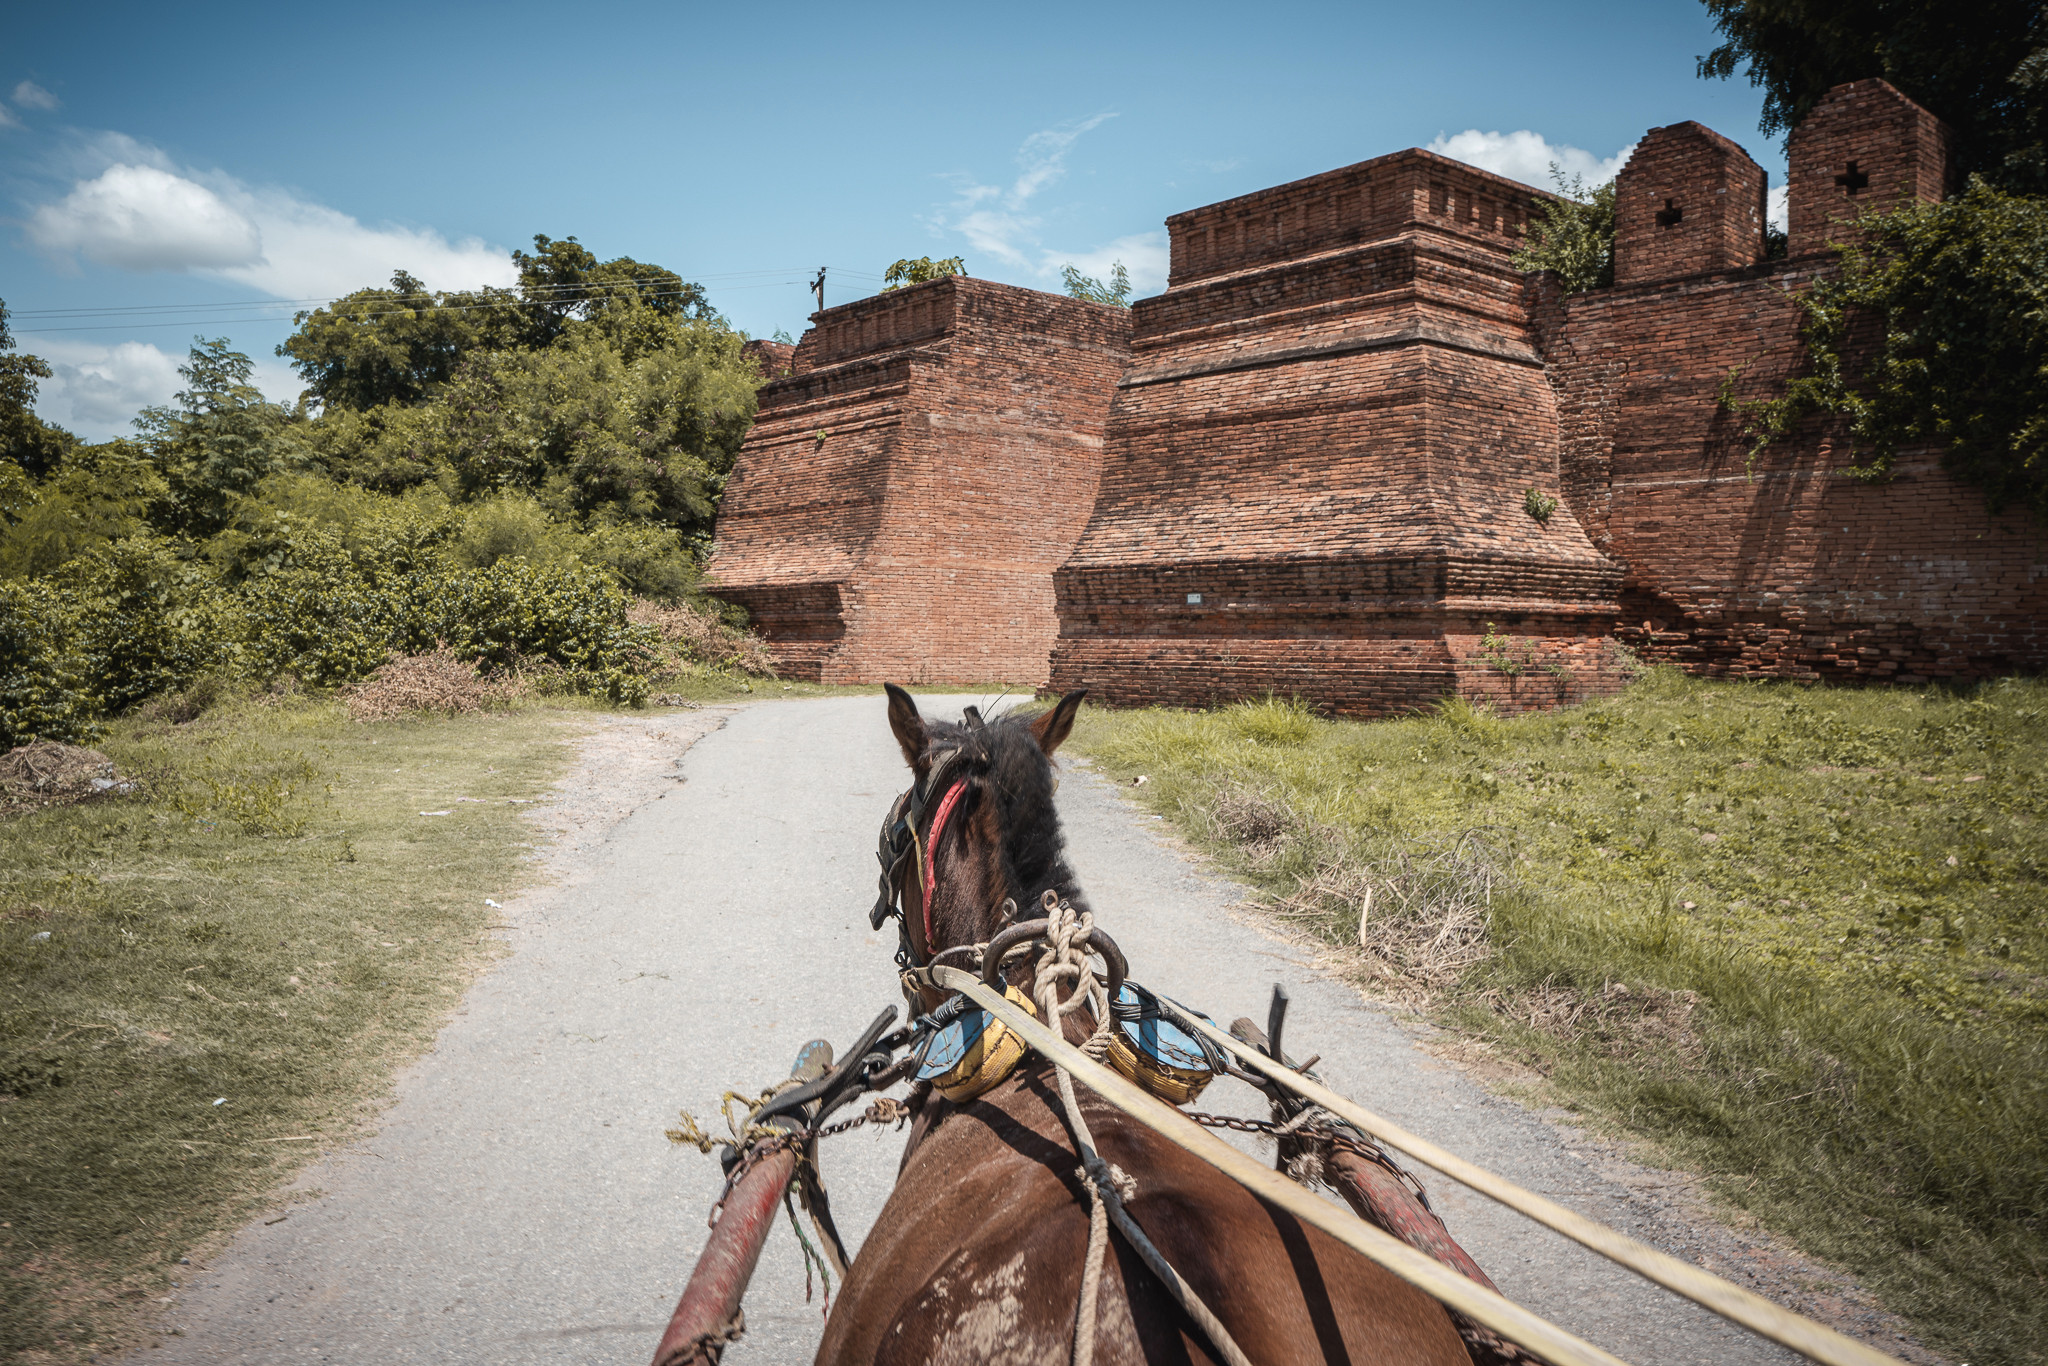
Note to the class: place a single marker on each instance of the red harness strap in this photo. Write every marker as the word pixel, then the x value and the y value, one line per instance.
pixel 931 845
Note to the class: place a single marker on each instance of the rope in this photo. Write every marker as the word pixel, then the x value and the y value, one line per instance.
pixel 1108 1186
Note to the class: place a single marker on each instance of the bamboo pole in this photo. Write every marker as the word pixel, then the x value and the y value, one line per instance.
pixel 1811 1340
pixel 1502 1315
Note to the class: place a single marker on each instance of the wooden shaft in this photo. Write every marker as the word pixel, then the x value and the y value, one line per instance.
pixel 708 1315
pixel 1502 1315
pixel 1811 1340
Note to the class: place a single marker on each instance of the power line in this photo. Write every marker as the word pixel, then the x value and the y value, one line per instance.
pixel 524 295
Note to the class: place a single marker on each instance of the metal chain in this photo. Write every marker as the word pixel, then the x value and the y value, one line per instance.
pixel 885 1110
pixel 1359 1147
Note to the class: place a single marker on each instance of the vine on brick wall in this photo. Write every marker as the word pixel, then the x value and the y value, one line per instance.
pixel 1959 293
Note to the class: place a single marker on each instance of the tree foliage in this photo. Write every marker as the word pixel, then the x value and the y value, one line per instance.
pixel 921 270
pixel 396 345
pixel 1982 66
pixel 1959 294
pixel 1116 293
pixel 25 439
pixel 500 470
pixel 1572 234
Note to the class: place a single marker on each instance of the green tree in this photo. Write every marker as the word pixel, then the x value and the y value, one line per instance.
pixel 1572 234
pixel 920 270
pixel 1980 65
pixel 397 345
pixel 32 444
pixel 591 432
pixel 219 442
pixel 1117 293
pixel 562 281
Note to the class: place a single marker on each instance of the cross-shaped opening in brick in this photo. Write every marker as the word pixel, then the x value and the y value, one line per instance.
pixel 1853 180
pixel 1669 215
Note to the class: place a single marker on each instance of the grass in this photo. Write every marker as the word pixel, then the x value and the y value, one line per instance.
pixel 1797 937
pixel 194 979
pixel 270 923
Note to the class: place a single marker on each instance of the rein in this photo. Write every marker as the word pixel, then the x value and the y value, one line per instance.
pixel 929 874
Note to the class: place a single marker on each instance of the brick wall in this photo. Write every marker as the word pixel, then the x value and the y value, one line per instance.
pixel 1787 569
pixel 1315 469
pixel 907 490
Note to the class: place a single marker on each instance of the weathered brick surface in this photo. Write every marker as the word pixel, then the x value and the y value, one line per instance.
pixel 1790 569
pixel 1864 148
pixel 907 490
pixel 1326 435
pixel 1312 475
pixel 1689 200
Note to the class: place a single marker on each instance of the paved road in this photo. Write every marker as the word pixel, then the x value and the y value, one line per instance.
pixel 520 1205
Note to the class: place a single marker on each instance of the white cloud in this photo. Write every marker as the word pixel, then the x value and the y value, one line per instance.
pixel 140 214
pixel 1775 209
pixel 29 95
pixel 7 119
pixel 998 221
pixel 95 389
pixel 1527 157
pixel 142 218
pixel 1145 256
pixel 994 218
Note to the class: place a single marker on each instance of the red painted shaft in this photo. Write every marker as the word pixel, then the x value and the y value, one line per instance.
pixel 708 1315
pixel 1382 1198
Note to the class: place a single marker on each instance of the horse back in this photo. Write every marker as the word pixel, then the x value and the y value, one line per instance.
pixel 978 1256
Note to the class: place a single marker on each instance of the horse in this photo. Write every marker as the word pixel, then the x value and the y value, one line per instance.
pixel 978 1254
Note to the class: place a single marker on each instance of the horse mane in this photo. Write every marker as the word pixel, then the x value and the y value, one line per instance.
pixel 1018 776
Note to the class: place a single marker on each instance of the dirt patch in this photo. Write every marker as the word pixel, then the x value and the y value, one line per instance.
pixel 436 683
pixel 46 773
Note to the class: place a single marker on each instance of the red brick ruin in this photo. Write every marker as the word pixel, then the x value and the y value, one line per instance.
pixel 1321 462
pixel 924 463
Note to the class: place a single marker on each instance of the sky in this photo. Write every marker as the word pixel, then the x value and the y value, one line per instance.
pixel 170 172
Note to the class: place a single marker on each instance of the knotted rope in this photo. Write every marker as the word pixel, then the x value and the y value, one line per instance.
pixel 1108 1186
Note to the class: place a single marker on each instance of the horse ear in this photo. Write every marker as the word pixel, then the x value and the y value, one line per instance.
pixel 1054 726
pixel 908 725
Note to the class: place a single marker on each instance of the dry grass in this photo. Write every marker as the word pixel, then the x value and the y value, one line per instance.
pixel 694 636
pixel 438 683
pixel 1414 915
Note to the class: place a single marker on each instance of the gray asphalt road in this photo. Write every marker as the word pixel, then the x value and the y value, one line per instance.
pixel 520 1204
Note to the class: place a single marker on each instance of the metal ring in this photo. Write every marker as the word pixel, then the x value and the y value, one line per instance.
pixel 992 957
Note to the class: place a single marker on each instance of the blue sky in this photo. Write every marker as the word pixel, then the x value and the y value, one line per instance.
pixel 201 169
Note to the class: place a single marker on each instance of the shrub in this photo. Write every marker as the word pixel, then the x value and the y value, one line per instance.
pixel 145 622
pixel 43 695
pixel 696 634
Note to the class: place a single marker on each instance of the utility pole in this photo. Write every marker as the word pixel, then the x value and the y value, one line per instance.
pixel 818 288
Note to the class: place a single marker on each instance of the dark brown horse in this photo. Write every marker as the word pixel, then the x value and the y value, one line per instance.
pixel 977 1257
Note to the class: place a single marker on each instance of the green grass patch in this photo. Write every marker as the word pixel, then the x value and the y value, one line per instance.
pixel 271 924
pixel 1798 937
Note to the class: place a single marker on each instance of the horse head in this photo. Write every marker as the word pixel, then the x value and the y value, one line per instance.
pixel 978 835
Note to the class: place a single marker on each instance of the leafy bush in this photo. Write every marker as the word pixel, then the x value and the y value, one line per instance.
pixel 43 695
pixel 145 622
pixel 1572 235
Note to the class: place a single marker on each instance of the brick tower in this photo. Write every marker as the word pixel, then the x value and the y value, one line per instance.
pixel 1863 149
pixel 912 481
pixel 1316 470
